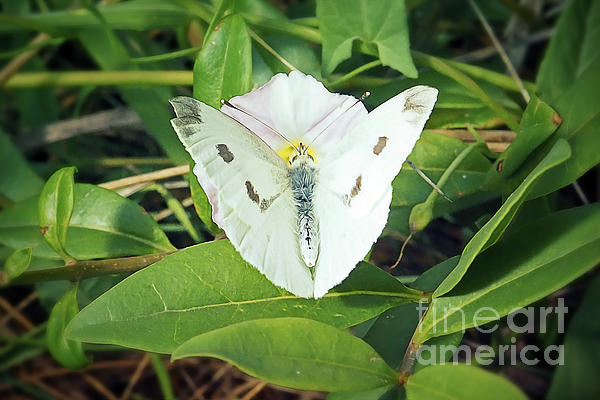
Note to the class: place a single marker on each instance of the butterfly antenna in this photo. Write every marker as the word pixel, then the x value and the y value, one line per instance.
pixel 228 104
pixel 360 99
pixel 429 181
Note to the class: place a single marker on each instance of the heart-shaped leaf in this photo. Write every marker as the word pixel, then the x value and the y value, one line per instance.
pixel 380 23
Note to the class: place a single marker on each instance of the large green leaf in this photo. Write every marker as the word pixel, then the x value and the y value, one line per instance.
pixel 55 207
pixel 460 382
pixel 381 23
pixel 294 352
pixel 577 377
pixel 223 68
pixel 103 224
pixel 494 228
pixel 209 286
pixel 67 352
pixel 534 261
pixel 17 179
pixel 568 81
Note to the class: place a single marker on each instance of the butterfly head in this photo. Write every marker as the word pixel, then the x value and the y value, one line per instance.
pixel 298 151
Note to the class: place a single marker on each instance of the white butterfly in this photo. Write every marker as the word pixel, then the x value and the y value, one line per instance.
pixel 300 178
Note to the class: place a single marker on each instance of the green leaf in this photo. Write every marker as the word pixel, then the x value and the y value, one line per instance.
pixel 17 179
pixel 392 331
pixel 537 124
pixel 19 227
pixel 68 353
pixel 577 377
pixel 178 210
pixel 460 382
pixel 381 23
pixel 400 322
pixel 209 286
pixel 294 352
pixel 429 280
pixel 452 96
pixel 568 81
pixel 103 225
pixel 55 208
pixel 558 248
pixel 494 228
pixel 18 262
pixel 452 118
pixel 223 68
pixel 423 213
pixel 379 393
pixel 433 153
pixel 297 52
pixel 136 15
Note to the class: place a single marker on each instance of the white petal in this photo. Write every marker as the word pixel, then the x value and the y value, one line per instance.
pixel 299 108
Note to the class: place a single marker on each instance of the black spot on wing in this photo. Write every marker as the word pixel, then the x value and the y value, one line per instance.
pixel 251 193
pixel 226 155
pixel 263 204
pixel 356 188
pixel 186 126
pixel 381 143
pixel 186 106
pixel 412 104
pixel 354 191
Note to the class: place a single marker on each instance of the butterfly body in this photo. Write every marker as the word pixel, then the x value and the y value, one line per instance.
pixel 304 221
pixel 303 180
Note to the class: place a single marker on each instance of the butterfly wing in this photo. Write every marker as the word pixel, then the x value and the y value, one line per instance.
pixel 247 184
pixel 354 193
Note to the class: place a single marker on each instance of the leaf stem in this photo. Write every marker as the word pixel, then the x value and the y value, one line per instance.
pixel 16 63
pixel 99 78
pixel 163 376
pixel 147 177
pixel 509 65
pixel 167 56
pixel 354 72
pixel 410 356
pixel 271 50
pixel 85 269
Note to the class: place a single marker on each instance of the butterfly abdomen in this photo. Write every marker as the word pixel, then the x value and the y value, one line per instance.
pixel 303 178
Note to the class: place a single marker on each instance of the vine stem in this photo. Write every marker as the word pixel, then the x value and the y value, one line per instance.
pixel 99 78
pixel 85 269
pixel 410 356
pixel 509 65
pixel 147 177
